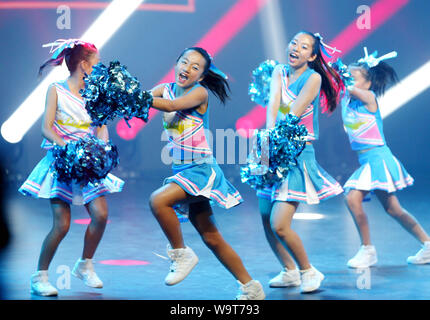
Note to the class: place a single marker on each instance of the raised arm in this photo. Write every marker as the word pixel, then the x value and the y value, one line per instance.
pixel 274 98
pixel 195 98
pixel 49 117
pixel 365 96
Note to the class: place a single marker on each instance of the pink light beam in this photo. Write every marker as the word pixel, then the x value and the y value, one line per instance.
pixel 350 37
pixel 214 41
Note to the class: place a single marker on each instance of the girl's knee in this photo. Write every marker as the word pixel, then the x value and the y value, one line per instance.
pixel 353 200
pixel 394 212
pixel 99 211
pixel 212 240
pixel 100 217
pixel 281 230
pixel 155 201
pixel 62 228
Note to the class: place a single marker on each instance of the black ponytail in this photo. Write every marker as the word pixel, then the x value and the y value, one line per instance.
pixel 380 76
pixel 211 81
pixel 331 84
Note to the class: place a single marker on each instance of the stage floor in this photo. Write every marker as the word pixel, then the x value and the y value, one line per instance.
pixel 133 234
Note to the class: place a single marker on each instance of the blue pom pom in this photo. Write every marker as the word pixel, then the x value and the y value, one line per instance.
pixel 342 70
pixel 85 160
pixel 259 88
pixel 112 92
pixel 274 153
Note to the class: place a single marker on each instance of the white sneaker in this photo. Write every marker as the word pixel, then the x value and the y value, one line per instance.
pixel 183 260
pixel 84 270
pixel 422 256
pixel 40 285
pixel 286 278
pixel 311 279
pixel 364 258
pixel 253 290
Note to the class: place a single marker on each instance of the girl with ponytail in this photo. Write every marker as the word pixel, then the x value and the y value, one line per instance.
pixel 197 179
pixel 65 119
pixel 380 172
pixel 299 87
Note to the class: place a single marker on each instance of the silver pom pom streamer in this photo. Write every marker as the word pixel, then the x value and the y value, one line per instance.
pixel 85 160
pixel 274 153
pixel 112 92
pixel 259 88
pixel 342 70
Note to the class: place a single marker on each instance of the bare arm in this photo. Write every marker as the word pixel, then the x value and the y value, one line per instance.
pixel 308 93
pixel 49 118
pixel 194 99
pixel 365 96
pixel 274 99
pixel 157 91
pixel 103 133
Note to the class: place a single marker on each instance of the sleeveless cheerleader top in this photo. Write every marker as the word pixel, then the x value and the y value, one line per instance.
pixel 72 121
pixel 186 129
pixel 364 128
pixel 309 118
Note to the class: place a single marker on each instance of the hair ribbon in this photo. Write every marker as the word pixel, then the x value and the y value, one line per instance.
pixel 372 61
pixel 58 46
pixel 325 46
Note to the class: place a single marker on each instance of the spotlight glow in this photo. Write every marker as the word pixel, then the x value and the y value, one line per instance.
pixel 111 19
pixel 410 87
pixel 308 216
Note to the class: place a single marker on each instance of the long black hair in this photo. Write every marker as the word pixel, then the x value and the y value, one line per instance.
pixel 73 57
pixel 380 76
pixel 212 81
pixel 331 84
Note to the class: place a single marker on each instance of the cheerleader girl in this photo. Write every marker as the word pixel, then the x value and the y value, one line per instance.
pixel 296 88
pixel 65 119
pixel 380 171
pixel 198 180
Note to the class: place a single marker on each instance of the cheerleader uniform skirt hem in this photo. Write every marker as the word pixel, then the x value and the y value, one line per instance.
pixel 379 170
pixel 308 182
pixel 207 180
pixel 42 183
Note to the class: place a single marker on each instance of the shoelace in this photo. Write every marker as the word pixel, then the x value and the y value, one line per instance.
pixel 174 258
pixel 43 279
pixel 308 275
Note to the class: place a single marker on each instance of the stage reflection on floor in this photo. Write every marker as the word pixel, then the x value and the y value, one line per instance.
pixel 131 259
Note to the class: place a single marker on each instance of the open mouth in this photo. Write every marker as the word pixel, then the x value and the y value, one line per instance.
pixel 293 57
pixel 182 77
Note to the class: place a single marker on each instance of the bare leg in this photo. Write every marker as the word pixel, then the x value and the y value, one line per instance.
pixel 394 209
pixel 277 247
pixel 60 227
pixel 161 202
pixel 98 211
pixel 281 218
pixel 202 219
pixel 354 202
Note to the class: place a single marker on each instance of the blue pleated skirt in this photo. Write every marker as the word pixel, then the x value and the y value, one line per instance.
pixel 307 182
pixel 42 183
pixel 204 178
pixel 379 169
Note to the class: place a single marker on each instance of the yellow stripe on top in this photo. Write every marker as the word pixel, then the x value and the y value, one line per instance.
pixel 75 124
